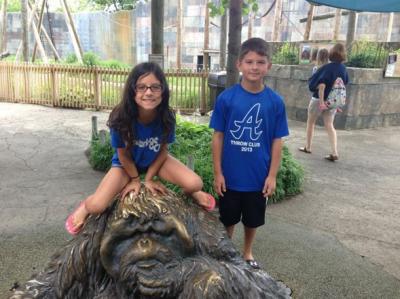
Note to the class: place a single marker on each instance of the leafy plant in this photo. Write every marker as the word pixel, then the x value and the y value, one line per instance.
pixel 90 59
pixel 287 54
pixel 366 54
pixel 193 142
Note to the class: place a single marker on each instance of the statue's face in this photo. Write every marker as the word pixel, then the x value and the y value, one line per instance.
pixel 144 254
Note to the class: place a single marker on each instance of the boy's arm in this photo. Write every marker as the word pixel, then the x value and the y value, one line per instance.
pixel 276 155
pixel 219 180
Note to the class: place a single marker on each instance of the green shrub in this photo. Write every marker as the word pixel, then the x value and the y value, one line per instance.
pixel 195 140
pixel 71 58
pixel 101 154
pixel 114 64
pixel 90 59
pixel 367 55
pixel 287 54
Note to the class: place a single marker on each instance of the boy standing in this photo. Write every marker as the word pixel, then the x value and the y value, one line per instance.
pixel 249 120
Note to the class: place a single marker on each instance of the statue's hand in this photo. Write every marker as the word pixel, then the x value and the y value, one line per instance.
pixel 155 187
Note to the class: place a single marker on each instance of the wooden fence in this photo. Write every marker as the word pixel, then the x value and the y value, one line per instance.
pixel 93 87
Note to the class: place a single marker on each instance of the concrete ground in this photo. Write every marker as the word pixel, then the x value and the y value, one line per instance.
pixel 337 240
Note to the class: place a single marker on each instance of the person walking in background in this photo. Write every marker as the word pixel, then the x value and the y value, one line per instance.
pixel 320 84
pixel 142 125
pixel 249 121
pixel 321 59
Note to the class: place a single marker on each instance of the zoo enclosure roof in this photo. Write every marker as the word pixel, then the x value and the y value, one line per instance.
pixel 361 5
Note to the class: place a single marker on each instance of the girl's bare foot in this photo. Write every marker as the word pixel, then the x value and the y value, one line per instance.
pixel 76 219
pixel 205 200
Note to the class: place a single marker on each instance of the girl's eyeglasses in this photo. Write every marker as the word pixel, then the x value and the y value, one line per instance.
pixel 143 88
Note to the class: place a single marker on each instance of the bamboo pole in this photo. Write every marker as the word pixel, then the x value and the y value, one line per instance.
pixel 72 31
pixel 277 21
pixel 336 30
pixel 310 15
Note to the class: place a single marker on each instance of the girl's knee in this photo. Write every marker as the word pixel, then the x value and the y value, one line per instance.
pixel 95 205
pixel 193 184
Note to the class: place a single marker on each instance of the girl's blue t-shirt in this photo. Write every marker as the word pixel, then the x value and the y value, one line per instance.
pixel 250 122
pixel 146 146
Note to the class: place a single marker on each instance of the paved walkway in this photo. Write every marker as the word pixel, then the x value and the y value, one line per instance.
pixel 329 242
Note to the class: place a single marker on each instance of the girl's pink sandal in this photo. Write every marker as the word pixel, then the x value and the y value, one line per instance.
pixel 212 203
pixel 69 224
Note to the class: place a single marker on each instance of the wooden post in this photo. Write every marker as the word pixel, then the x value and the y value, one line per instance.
pixel 250 25
pixel 277 21
pixel 37 38
pixel 206 63
pixel 179 26
pixel 203 92
pixel 54 86
pixel 3 27
pixel 72 31
pixel 351 30
pixel 336 31
pixel 49 41
pixel 24 22
pixel 390 27
pixel 39 27
pixel 310 15
pixel 97 88
pixel 94 127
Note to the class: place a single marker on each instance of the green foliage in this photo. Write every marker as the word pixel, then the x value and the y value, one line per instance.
pixel 90 59
pixel 287 54
pixel 101 154
pixel 12 5
pixel 367 55
pixel 114 64
pixel 195 141
pixel 71 58
pixel 219 8
pixel 116 4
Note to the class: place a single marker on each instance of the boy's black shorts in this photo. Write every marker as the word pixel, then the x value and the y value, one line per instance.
pixel 246 206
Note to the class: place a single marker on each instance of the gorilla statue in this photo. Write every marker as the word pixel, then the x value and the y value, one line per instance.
pixel 151 247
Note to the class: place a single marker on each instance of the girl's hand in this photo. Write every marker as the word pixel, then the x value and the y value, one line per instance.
pixel 219 184
pixel 155 187
pixel 133 185
pixel 322 106
pixel 269 186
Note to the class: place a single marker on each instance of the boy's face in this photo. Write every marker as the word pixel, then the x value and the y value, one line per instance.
pixel 253 67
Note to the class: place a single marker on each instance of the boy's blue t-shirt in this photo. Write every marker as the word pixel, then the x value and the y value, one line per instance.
pixel 250 122
pixel 147 145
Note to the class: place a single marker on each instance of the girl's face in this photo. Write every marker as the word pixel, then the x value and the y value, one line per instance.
pixel 148 93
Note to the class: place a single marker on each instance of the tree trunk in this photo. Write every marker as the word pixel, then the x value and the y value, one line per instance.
pixel 24 24
pixel 309 22
pixel 351 30
pixel 277 21
pixel 157 27
pixel 179 26
pixel 222 40
pixel 234 40
pixel 3 27
pixel 336 31
pixel 206 62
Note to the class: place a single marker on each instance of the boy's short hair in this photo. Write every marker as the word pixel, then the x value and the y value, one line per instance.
pixel 254 44
pixel 337 53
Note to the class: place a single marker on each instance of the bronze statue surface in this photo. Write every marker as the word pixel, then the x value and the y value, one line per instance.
pixel 151 247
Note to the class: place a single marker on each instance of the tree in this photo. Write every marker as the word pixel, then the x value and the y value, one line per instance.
pixel 116 4
pixel 237 8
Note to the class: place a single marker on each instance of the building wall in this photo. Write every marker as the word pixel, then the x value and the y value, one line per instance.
pixel 126 35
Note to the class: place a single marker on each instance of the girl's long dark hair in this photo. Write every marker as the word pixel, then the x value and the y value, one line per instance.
pixel 123 117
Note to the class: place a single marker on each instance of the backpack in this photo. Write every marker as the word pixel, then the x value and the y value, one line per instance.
pixel 337 96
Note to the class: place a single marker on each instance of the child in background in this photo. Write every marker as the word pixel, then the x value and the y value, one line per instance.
pixel 322 59
pixel 142 125
pixel 249 121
